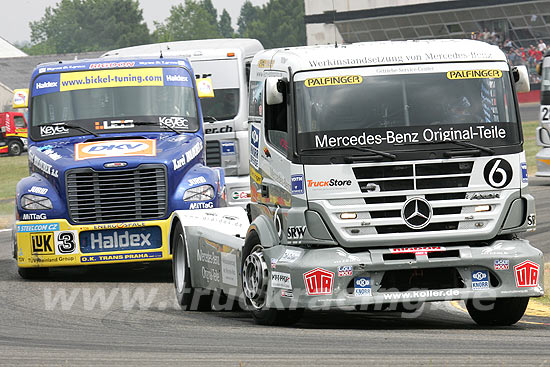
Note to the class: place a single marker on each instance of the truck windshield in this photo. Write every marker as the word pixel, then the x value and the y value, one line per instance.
pixel 389 107
pixel 111 100
pixel 225 80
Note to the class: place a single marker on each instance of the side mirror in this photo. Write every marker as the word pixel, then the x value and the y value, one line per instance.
pixel 521 77
pixel 272 93
pixel 20 98
pixel 205 88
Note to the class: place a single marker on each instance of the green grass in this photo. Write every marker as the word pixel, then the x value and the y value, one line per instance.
pixel 530 145
pixel 13 169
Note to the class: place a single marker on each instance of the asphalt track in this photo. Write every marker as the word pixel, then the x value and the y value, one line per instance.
pixel 128 316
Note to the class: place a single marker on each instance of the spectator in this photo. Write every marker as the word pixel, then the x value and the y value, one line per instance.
pixel 541 46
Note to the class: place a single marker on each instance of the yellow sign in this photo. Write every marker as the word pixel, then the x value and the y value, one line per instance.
pixel 333 80
pixel 111 78
pixel 265 64
pixel 20 98
pixel 255 176
pixel 474 74
pixel 205 88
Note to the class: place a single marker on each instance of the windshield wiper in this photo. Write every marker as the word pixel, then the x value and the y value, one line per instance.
pixel 146 123
pixel 457 142
pixel 76 127
pixel 361 149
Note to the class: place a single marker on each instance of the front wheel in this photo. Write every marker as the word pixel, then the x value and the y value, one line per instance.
pixel 189 298
pixel 255 277
pixel 14 148
pixel 499 312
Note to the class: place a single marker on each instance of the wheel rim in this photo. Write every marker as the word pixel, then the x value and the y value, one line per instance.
pixel 15 149
pixel 255 278
pixel 179 262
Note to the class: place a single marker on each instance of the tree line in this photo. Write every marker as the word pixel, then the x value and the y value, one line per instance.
pixel 98 25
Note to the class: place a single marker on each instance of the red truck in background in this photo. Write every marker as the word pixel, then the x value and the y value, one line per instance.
pixel 13 137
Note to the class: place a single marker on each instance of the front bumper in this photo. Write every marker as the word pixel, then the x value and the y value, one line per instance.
pixel 513 268
pixel 54 243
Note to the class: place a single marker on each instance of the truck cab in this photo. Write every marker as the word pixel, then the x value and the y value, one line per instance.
pixel 383 174
pixel 227 63
pixel 13 127
pixel 116 147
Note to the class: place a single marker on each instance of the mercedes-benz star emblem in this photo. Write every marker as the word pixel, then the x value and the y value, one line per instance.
pixel 416 213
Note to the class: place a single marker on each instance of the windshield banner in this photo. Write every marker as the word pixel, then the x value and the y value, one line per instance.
pixel 51 83
pixel 494 134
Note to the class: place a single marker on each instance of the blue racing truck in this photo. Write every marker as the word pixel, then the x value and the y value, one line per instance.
pixel 115 147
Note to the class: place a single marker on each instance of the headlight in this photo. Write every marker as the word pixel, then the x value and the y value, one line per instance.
pixel 199 193
pixel 35 202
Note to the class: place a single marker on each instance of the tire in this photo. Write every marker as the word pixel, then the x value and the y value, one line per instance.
pixel 499 312
pixel 33 273
pixel 260 313
pixel 14 148
pixel 185 293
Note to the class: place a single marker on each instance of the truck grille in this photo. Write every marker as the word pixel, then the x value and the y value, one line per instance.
pixel 213 153
pixel 116 196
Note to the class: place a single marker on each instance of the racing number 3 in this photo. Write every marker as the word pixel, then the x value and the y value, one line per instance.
pixel 498 173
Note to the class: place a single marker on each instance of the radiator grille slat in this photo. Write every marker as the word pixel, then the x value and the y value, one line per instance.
pixel 109 196
pixel 213 153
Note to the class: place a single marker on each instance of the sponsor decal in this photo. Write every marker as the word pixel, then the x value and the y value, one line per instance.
pixel 287 293
pixel 176 78
pixel 498 173
pixel 214 130
pixel 118 225
pixel 114 124
pixel 197 180
pixel 51 154
pixel 66 243
pixel 52 130
pixel 228 148
pixel 430 293
pixel 480 279
pixel 345 271
pixel 417 250
pixel 40 165
pixel 174 122
pixel 265 64
pixel 527 274
pixel 343 138
pixel 524 175
pixel 290 256
pixel 38 190
pixel 483 195
pixel 329 183
pixel 297 184
pixel 240 195
pixel 362 287
pixel 122 257
pixel 43 243
pixel 473 74
pixel 188 156
pixel 207 257
pixel 201 205
pixel 120 239
pixel 280 280
pixel 34 216
pixel 502 264
pixel 111 78
pixel 45 85
pixel 112 65
pixel 296 232
pixel 229 268
pixel 116 148
pixel 254 147
pixel 267 153
pixel 274 263
pixel 43 227
pixel 255 176
pixel 319 282
pixel 333 80
pixel 531 220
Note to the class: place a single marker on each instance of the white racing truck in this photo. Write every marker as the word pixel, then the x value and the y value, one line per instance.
pixel 383 173
pixel 227 63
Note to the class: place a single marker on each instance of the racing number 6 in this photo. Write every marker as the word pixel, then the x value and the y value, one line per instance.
pixel 498 173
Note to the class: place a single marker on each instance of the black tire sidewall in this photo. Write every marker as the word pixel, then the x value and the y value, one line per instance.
pixel 18 147
pixel 184 296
